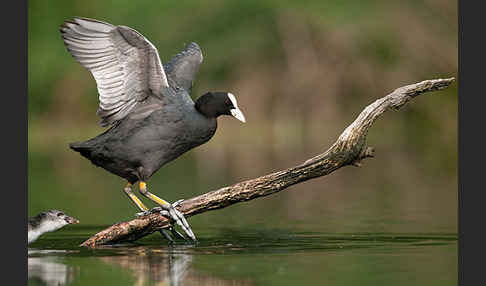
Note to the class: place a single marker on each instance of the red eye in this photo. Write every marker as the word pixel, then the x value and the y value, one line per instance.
pixel 228 102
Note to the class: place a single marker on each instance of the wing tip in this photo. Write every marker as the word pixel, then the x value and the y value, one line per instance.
pixel 87 23
pixel 65 26
pixel 193 45
pixel 80 18
pixel 195 49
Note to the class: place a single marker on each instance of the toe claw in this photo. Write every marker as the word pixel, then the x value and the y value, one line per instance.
pixel 176 233
pixel 165 213
pixel 141 214
pixel 167 236
pixel 177 203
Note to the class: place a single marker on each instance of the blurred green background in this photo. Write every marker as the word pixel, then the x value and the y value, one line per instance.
pixel 302 71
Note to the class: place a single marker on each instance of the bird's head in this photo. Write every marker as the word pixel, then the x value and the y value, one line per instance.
pixel 55 219
pixel 214 104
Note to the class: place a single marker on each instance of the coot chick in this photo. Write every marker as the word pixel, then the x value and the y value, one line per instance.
pixel 48 221
pixel 152 116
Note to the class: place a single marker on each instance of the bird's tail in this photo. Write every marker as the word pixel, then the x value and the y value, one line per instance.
pixel 82 147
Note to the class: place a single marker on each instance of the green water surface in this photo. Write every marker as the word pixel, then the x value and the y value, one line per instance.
pixel 236 256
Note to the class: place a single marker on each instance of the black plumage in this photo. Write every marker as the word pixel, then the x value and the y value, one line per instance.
pixel 135 148
pixel 152 116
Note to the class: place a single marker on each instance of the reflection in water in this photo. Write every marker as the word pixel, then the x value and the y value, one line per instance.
pixel 168 266
pixel 47 271
pixel 165 266
pixel 250 258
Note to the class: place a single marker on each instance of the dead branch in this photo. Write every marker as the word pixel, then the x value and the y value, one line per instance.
pixel 349 149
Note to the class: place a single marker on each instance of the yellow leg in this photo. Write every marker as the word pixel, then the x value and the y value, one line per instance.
pixel 135 200
pixel 172 212
pixel 149 195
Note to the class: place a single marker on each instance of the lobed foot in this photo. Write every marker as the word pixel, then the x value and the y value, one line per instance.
pixel 174 215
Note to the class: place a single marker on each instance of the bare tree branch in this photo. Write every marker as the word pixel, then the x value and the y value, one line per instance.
pixel 349 149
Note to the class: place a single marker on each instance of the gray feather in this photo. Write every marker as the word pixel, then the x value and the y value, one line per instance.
pixel 125 65
pixel 182 68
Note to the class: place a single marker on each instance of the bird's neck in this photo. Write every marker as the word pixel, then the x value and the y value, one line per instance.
pixel 33 235
pixel 43 227
pixel 204 108
pixel 204 112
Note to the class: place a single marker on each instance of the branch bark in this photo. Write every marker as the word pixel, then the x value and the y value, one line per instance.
pixel 349 149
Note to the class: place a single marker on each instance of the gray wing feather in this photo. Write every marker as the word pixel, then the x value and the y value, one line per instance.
pixel 182 68
pixel 125 65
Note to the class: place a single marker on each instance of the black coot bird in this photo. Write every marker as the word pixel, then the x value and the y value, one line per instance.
pixel 152 116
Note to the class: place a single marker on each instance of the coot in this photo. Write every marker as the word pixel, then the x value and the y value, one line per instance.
pixel 48 221
pixel 152 118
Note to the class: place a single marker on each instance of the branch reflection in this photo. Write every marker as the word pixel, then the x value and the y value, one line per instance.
pixel 166 266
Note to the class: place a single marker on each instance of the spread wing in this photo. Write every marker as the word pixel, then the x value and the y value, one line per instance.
pixel 124 64
pixel 183 67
